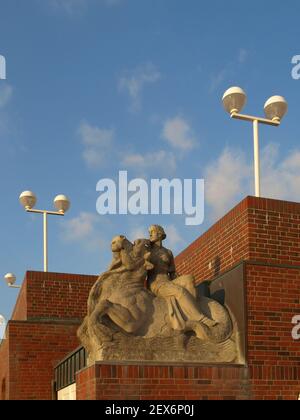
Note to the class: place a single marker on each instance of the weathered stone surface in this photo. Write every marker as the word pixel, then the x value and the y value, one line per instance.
pixel 157 341
pixel 128 322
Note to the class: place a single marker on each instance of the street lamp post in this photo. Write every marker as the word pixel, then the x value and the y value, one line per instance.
pixel 234 99
pixel 10 279
pixel 62 205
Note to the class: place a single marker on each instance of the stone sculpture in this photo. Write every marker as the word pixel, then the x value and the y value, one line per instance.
pixel 141 310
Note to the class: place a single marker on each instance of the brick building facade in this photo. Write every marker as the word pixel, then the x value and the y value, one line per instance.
pixel 48 312
pixel 261 234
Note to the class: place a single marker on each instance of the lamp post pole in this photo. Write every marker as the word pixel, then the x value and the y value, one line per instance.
pixel 256 158
pixel 255 122
pixel 45 214
pixel 62 204
pixel 276 107
pixel 45 242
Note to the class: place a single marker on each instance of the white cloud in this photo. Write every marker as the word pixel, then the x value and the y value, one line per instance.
pixel 229 70
pixel 77 7
pixel 280 179
pixel 112 2
pixel 243 55
pixel 133 82
pixel 79 227
pixel 138 233
pixel 177 132
pixel 2 328
pixel 97 143
pixel 174 239
pixel 70 7
pixel 164 161
pixel 230 178
pixel 217 79
pixel 6 92
pixel 85 230
pixel 225 180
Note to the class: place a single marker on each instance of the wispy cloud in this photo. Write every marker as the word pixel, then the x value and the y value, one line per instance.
pixel 225 180
pixel 70 7
pixel 79 227
pixel 100 143
pixel 97 143
pixel 2 327
pixel 133 82
pixel 178 133
pixel 163 161
pixel 174 240
pixel 76 7
pixel 218 78
pixel 112 2
pixel 6 92
pixel 230 178
pixel 280 178
pixel 84 229
pixel 229 70
pixel 243 55
pixel 138 232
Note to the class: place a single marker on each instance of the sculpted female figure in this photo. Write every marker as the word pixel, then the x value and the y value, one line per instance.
pixel 179 292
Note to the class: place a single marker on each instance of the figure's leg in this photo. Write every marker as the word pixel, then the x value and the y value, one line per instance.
pixel 123 318
pixel 117 313
pixel 188 283
pixel 186 302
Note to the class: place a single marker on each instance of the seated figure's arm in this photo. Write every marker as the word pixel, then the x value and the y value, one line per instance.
pixel 148 264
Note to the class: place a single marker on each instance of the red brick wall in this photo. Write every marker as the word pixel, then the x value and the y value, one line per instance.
pixel 223 245
pixel 274 233
pixel 4 369
pixel 257 229
pixel 132 382
pixel 20 310
pixel 48 312
pixel 35 349
pixel 273 298
pixel 53 296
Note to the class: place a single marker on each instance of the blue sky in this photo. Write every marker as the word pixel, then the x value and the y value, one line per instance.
pixel 98 86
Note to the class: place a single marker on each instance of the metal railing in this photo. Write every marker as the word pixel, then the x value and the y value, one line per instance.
pixel 65 371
